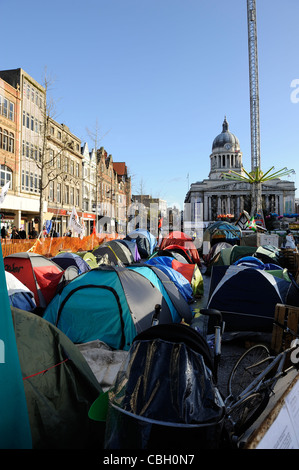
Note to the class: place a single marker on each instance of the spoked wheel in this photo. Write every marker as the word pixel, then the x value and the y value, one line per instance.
pixel 245 412
pixel 247 368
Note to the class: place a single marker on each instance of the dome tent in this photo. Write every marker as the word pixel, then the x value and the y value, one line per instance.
pixel 66 259
pixel 109 303
pixel 246 296
pixel 146 242
pixel 229 232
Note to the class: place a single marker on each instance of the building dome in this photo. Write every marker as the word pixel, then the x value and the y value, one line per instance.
pixel 226 140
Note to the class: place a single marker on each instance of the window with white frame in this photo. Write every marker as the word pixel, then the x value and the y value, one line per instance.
pixel 58 192
pixel 5 175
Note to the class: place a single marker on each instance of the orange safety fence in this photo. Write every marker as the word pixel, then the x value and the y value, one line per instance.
pixel 50 247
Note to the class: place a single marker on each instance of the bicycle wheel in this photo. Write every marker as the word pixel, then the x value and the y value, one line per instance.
pixel 247 368
pixel 245 412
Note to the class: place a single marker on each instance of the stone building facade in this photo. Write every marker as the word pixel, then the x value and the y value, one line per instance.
pixel 210 198
pixel 38 152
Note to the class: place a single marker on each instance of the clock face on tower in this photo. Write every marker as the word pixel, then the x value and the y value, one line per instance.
pixel 227 146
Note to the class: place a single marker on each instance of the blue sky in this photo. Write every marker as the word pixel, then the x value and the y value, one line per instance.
pixel 157 78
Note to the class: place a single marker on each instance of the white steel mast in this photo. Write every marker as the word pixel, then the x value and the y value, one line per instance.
pixel 254 105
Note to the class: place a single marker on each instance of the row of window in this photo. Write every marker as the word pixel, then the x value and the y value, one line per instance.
pixel 31 151
pixel 7 140
pixel 30 181
pixel 32 123
pixel 70 194
pixel 32 94
pixel 59 137
pixel 66 164
pixel 7 108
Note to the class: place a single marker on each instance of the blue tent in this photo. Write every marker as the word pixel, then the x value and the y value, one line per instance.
pixel 64 260
pixel 108 303
pixel 164 263
pixel 19 295
pixel 170 290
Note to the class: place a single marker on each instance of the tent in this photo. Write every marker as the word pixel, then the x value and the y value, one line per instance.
pixel 59 385
pixel 121 250
pixel 181 239
pixel 90 259
pixel 40 274
pixel 66 259
pixel 15 430
pixel 146 242
pixel 190 271
pixel 179 284
pixel 268 254
pixel 19 295
pixel 132 247
pixel 104 254
pixel 230 254
pixel 109 303
pixel 181 250
pixel 221 231
pixel 246 296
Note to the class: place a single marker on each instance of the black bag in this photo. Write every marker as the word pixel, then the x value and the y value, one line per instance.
pixel 164 396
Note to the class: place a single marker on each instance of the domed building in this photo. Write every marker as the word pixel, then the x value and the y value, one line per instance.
pixel 208 199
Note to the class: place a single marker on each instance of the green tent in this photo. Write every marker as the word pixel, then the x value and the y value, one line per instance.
pixel 59 385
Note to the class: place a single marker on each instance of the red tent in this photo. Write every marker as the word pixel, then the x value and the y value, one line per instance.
pixel 40 274
pixel 182 240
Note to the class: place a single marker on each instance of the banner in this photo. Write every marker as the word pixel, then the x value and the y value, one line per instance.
pixel 4 191
pixel 74 223
pixel 15 432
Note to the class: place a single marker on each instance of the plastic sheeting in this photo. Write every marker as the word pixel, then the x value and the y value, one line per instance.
pixel 163 397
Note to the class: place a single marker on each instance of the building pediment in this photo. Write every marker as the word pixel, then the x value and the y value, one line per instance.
pixel 229 186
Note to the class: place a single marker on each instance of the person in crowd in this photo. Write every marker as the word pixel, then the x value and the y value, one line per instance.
pixel 290 241
pixel 14 233
pixel 33 233
pixel 3 232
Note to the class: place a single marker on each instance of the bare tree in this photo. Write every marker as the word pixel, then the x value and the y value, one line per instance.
pixel 96 139
pixel 47 163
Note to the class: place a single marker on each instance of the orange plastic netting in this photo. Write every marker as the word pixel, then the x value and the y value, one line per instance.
pixel 50 247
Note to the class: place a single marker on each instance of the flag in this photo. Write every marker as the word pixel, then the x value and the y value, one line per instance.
pixel 74 222
pixel 251 224
pixel 4 191
pixel 15 430
pixel 48 225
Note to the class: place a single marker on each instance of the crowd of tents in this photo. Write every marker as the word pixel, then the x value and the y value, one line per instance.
pixel 68 308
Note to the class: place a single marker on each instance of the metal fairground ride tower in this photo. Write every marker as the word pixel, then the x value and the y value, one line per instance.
pixel 255 177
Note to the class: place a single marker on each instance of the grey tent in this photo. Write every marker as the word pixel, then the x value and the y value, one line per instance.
pixel 121 250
